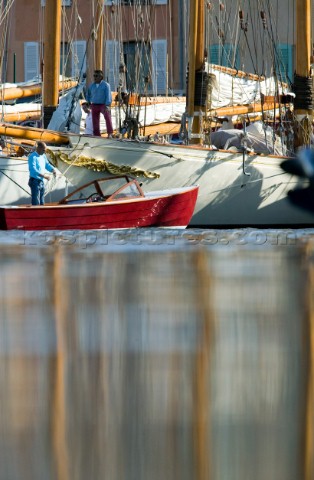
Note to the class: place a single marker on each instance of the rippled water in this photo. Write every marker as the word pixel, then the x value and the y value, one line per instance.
pixel 155 354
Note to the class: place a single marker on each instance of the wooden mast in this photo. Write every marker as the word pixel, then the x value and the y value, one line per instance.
pixel 51 71
pixel 99 32
pixel 303 44
pixel 303 77
pixel 196 62
pixel 191 55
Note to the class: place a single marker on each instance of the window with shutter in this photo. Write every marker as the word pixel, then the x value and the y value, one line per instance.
pixel 137 61
pixel 65 3
pixel 159 66
pixel 78 58
pixel 139 2
pixel 214 54
pixel 112 62
pixel 31 60
pixel 224 55
pixel 65 60
pixel 285 60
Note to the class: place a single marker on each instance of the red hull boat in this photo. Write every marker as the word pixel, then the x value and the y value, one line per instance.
pixel 109 203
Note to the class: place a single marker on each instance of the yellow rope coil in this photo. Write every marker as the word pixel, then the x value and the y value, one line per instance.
pixel 98 165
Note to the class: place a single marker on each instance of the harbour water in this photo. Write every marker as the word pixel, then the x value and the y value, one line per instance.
pixel 157 354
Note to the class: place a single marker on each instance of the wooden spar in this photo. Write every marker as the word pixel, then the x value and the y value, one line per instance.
pixel 22 116
pixel 99 32
pixel 13 93
pixel 238 73
pixel 28 133
pixel 138 100
pixel 51 58
pixel 243 109
pixel 167 128
pixel 237 109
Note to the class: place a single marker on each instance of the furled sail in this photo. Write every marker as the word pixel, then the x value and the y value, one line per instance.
pixel 67 117
pixel 231 88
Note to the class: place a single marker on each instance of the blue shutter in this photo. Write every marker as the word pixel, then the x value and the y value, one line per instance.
pixel 78 58
pixel 285 53
pixel 31 60
pixel 214 54
pixel 224 55
pixel 112 62
pixel 159 66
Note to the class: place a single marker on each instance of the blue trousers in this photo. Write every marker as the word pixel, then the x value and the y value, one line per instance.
pixel 37 189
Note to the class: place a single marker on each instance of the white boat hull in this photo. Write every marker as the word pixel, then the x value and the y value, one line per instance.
pixel 227 196
pixel 14 189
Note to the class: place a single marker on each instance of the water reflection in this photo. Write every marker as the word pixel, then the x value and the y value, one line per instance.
pixel 171 364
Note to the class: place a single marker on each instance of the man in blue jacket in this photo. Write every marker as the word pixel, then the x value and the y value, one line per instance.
pixel 99 97
pixel 38 165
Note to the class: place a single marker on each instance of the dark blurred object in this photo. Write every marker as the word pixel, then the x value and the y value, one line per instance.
pixel 302 166
pixel 303 198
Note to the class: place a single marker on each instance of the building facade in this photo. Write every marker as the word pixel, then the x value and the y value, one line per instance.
pixel 148 39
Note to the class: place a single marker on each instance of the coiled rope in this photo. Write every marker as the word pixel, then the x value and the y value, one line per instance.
pixel 201 88
pixel 303 89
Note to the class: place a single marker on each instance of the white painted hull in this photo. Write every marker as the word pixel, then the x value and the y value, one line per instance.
pixel 227 197
pixel 14 189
